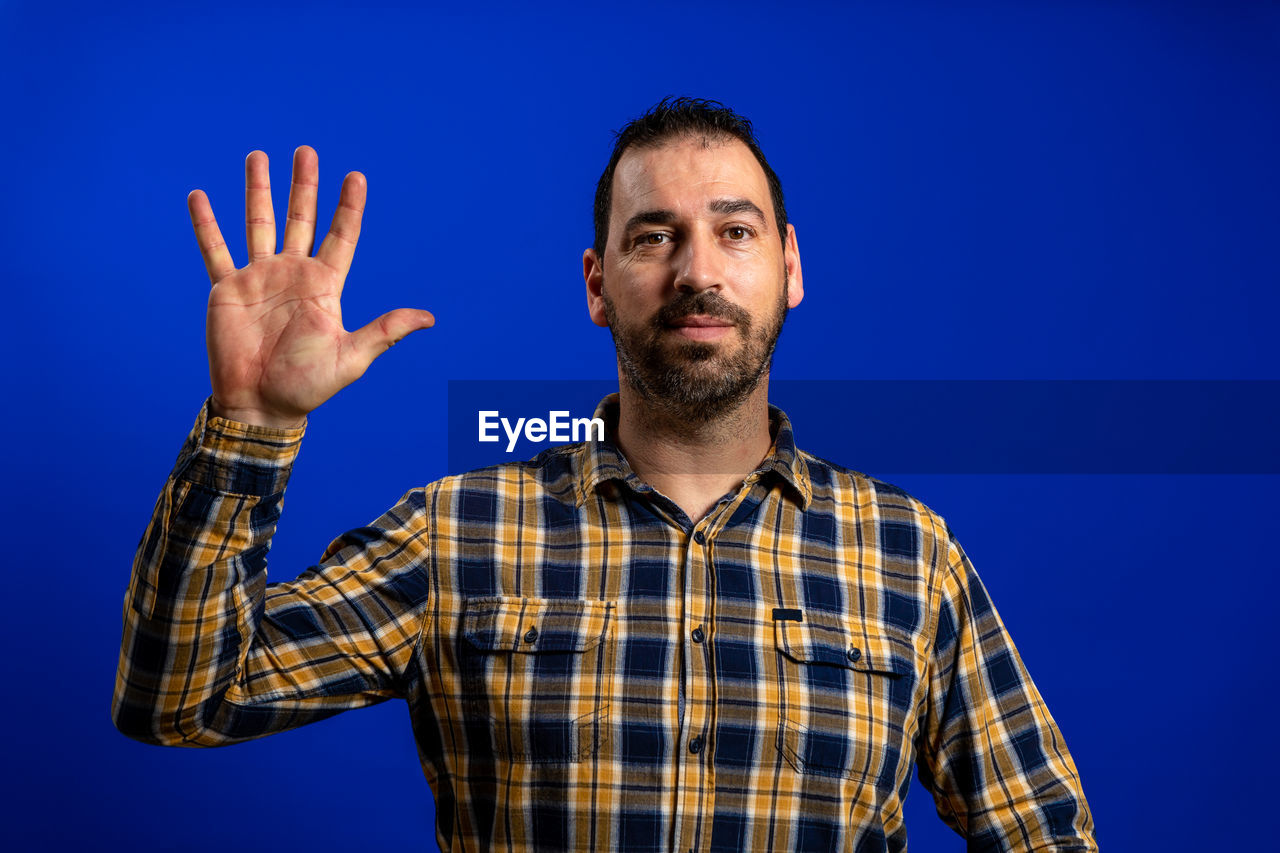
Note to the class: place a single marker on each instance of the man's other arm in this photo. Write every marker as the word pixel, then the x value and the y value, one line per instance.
pixel 989 750
pixel 212 654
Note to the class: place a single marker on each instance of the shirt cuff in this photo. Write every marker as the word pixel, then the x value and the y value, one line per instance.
pixel 237 458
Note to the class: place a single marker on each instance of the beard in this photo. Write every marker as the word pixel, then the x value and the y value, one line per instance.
pixel 696 382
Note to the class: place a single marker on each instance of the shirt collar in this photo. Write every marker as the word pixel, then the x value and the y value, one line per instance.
pixel 601 461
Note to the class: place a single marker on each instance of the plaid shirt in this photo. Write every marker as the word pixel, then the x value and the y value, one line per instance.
pixel 589 669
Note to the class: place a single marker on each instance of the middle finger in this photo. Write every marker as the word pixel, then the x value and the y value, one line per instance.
pixel 259 218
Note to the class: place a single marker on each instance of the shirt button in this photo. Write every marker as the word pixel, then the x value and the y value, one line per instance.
pixel 531 635
pixel 699 538
pixel 695 745
pixel 855 655
pixel 698 636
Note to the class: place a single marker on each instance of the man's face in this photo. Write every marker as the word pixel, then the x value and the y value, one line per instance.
pixel 695 282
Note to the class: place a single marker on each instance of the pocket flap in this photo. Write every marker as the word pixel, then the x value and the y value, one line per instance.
pixel 507 623
pixel 827 639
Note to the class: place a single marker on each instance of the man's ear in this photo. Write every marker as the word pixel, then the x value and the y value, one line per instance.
pixel 593 275
pixel 795 276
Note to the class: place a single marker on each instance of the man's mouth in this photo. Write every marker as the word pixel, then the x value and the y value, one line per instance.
pixel 701 321
pixel 701 327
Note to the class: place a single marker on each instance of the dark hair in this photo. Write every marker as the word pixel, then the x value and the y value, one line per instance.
pixel 672 118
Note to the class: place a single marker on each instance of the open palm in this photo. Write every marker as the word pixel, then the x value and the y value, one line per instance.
pixel 277 346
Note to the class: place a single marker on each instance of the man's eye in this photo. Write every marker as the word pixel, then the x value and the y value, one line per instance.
pixel 737 232
pixel 653 239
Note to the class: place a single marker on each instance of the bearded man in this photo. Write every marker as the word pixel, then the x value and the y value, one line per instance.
pixel 689 636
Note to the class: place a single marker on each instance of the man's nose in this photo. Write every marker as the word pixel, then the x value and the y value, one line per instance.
pixel 699 264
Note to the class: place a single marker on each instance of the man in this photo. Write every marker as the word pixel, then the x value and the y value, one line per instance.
pixel 690 636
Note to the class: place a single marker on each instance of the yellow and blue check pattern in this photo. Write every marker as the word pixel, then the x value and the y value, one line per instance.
pixel 588 669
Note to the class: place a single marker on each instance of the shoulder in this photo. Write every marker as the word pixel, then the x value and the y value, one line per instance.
pixel 553 473
pixel 835 485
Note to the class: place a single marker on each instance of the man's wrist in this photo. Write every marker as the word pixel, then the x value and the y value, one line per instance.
pixel 255 417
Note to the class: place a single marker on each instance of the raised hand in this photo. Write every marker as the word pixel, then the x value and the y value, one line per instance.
pixel 277 347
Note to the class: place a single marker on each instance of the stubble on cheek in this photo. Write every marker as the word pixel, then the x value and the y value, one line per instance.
pixel 696 381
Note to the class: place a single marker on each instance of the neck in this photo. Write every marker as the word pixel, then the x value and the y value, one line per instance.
pixel 694 463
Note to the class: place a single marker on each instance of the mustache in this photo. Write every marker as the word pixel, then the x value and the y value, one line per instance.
pixel 705 303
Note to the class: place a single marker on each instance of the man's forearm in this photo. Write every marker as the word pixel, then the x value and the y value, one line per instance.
pixel 197 586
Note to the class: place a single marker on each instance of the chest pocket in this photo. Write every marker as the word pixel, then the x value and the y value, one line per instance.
pixel 537 675
pixel 846 695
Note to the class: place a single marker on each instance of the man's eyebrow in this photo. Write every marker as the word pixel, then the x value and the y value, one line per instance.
pixel 722 206
pixel 650 217
pixel 730 206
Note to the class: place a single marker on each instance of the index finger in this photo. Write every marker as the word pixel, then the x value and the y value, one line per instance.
pixel 339 245
pixel 217 257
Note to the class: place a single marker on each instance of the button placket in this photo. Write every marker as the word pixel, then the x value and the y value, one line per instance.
pixel 696 779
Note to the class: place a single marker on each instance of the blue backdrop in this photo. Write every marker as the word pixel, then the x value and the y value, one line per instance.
pixel 981 190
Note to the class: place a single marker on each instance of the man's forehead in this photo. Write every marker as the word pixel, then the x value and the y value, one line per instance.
pixel 688 169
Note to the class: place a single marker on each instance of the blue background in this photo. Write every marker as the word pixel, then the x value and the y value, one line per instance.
pixel 981 190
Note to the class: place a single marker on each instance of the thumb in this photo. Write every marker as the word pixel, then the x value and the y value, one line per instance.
pixel 375 338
